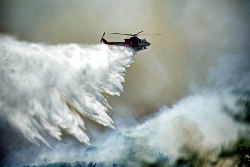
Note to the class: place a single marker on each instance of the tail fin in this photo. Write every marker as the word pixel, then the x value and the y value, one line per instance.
pixel 102 39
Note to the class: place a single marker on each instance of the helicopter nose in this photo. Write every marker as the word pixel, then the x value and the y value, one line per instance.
pixel 149 43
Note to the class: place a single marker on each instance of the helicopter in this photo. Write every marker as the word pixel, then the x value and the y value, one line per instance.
pixel 133 42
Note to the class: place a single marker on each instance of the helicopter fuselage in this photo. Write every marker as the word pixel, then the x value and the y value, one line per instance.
pixel 132 42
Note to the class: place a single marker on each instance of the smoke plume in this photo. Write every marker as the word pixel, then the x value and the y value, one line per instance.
pixel 186 100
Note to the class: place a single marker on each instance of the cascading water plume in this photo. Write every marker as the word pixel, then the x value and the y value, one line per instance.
pixel 44 89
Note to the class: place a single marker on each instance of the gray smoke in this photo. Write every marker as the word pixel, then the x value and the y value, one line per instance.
pixel 199 130
pixel 199 70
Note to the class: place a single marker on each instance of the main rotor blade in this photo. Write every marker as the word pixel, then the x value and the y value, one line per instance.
pixel 121 34
pixel 138 33
pixel 153 34
pixel 126 34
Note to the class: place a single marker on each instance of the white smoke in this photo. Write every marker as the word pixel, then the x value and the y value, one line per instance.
pixel 199 123
pixel 46 89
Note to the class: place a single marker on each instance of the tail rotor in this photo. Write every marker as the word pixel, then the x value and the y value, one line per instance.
pixel 102 37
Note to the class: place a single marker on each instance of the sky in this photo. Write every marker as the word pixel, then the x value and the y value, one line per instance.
pixel 176 62
pixel 203 45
